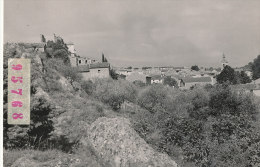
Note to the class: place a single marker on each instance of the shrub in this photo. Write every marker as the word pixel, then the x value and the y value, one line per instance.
pixel 88 86
pixel 67 71
pixel 170 82
pixel 209 127
pixel 139 83
pixel 153 98
pixel 114 92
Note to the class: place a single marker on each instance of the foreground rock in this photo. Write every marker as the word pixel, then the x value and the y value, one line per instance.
pixel 118 145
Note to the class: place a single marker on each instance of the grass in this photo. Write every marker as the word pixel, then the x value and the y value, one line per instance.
pixel 10 156
pixel 85 154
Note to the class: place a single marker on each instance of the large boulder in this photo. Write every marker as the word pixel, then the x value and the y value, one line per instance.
pixel 117 145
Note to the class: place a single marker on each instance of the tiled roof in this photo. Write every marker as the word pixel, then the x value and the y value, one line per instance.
pixel 136 76
pixel 99 65
pixel 82 68
pixel 85 68
pixel 156 77
pixel 197 79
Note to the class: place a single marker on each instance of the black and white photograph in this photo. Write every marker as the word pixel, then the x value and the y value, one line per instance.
pixel 130 83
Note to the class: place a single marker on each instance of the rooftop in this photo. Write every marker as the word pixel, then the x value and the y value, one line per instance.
pixel 155 77
pixel 99 65
pixel 82 68
pixel 197 79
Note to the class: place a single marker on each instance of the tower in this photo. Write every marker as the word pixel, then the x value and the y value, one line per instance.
pixel 224 62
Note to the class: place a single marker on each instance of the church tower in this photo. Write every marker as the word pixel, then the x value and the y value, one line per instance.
pixel 224 62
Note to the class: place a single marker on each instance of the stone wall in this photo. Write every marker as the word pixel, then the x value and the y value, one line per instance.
pixel 96 73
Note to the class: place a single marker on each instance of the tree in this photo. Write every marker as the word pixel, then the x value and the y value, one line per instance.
pixel 228 74
pixel 103 58
pixel 244 78
pixel 88 86
pixel 43 38
pixel 139 83
pixel 114 92
pixel 59 50
pixel 256 68
pixel 195 68
pixel 170 82
pixel 18 136
pixel 154 98
pixel 113 74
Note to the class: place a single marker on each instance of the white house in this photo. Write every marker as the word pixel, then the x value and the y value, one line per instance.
pixel 154 79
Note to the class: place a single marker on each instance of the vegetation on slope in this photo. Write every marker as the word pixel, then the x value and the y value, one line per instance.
pixel 212 126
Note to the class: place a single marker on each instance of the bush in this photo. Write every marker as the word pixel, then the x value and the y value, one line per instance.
pixel 139 83
pixel 154 98
pixel 20 136
pixel 88 86
pixel 67 71
pixel 209 127
pixel 114 92
pixel 170 82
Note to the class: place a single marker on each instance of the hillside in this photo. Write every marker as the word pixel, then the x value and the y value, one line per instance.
pixel 62 116
pixel 106 122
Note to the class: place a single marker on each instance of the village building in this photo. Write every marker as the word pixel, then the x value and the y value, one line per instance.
pixel 213 73
pixel 253 87
pixel 136 76
pixel 247 71
pixel 125 72
pixel 249 74
pixel 92 71
pixel 85 61
pixel 188 82
pixel 154 79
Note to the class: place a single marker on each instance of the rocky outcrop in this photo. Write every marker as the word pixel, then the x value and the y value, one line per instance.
pixel 118 145
pixel 66 85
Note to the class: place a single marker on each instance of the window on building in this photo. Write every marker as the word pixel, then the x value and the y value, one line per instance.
pixel 86 61
pixel 98 71
pixel 79 61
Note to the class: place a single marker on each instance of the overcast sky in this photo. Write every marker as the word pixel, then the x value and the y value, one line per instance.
pixel 143 32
